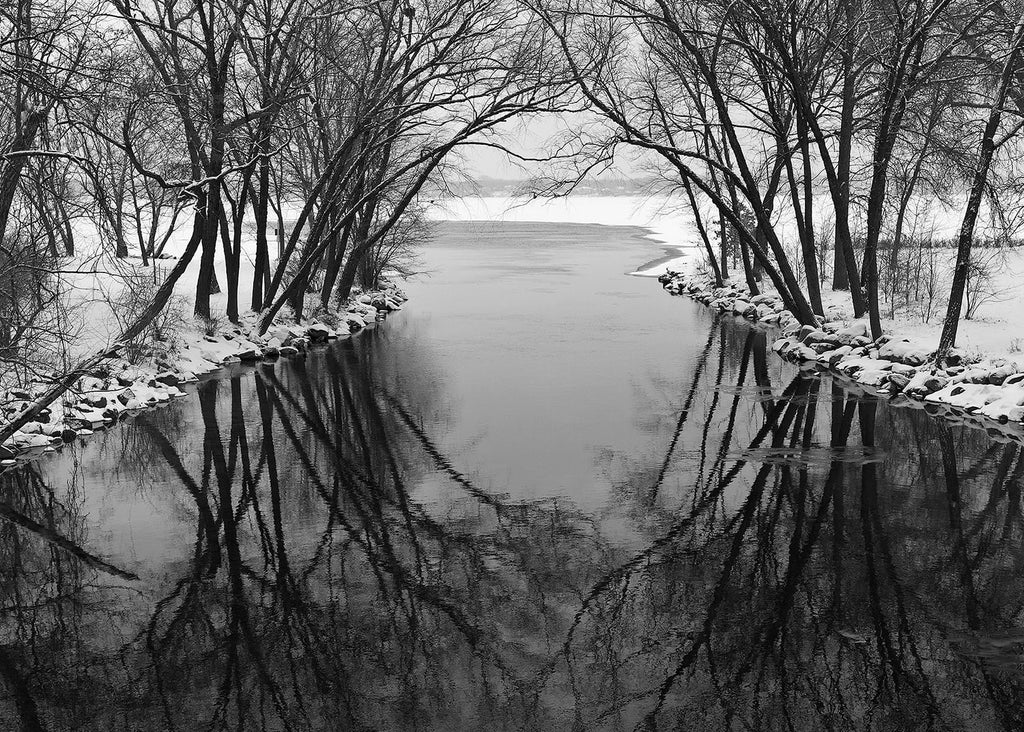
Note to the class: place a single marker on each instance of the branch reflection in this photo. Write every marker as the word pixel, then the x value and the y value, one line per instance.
pixel 798 557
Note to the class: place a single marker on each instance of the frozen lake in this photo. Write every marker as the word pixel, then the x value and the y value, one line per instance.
pixel 545 496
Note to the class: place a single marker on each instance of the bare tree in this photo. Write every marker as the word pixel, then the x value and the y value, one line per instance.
pixel 987 148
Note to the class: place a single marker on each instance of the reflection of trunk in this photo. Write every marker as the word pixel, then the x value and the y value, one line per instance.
pixel 746 517
pixel 761 376
pixel 19 690
pixel 270 456
pixel 225 474
pixel 199 493
pixel 726 437
pixel 803 544
pixel 878 560
pixel 842 419
pixel 684 413
pixel 955 507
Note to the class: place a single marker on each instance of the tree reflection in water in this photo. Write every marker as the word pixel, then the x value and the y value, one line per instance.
pixel 809 559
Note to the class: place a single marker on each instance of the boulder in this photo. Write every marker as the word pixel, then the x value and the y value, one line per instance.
pixel 167 378
pixel 355 323
pixel 1000 375
pixel 25 441
pixel 318 332
pixel 838 355
pixel 899 382
pixel 904 351
pixel 857 329
pixel 804 332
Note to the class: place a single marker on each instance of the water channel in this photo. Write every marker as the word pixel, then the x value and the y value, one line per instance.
pixel 544 496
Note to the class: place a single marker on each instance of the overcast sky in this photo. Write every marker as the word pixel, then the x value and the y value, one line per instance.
pixel 533 138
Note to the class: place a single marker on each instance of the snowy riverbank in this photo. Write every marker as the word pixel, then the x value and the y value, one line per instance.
pixel 987 393
pixel 120 389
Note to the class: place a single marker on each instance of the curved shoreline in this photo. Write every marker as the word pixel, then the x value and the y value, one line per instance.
pixel 649 269
pixel 120 389
pixel 991 399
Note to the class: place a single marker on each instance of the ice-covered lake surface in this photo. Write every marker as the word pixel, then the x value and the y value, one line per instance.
pixel 545 496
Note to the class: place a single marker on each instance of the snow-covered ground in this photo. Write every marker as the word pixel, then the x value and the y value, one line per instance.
pixel 100 303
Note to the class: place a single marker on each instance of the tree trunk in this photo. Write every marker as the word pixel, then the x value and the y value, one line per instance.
pixel 712 260
pixel 262 264
pixel 808 244
pixel 965 240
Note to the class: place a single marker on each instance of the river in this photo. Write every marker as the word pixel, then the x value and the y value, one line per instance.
pixel 544 496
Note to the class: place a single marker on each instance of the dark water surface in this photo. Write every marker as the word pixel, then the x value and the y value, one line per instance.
pixel 546 496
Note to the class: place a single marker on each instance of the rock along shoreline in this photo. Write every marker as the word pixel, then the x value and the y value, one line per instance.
pixel 120 389
pixel 984 395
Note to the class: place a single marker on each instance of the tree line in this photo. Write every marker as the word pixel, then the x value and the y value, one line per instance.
pixel 321 121
pixel 835 114
pixel 303 135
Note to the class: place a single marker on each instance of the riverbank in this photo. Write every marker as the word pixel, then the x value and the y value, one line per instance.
pixel 121 388
pixel 987 393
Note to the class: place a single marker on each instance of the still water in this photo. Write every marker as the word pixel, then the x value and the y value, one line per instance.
pixel 545 496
